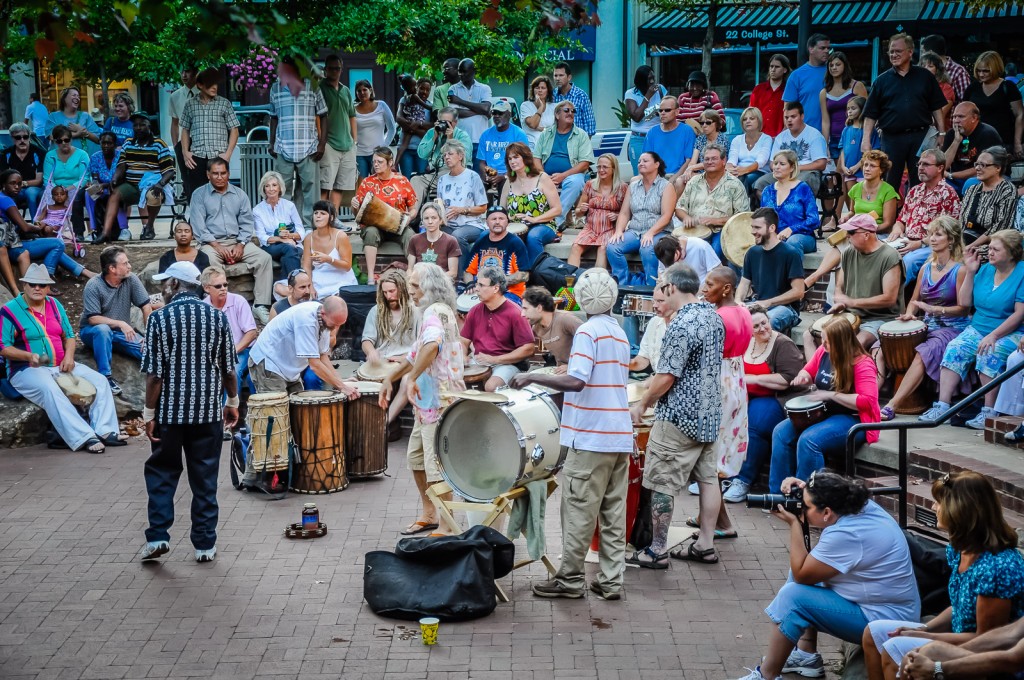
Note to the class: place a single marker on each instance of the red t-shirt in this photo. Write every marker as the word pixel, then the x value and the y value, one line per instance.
pixel 769 101
pixel 497 332
pixel 739 328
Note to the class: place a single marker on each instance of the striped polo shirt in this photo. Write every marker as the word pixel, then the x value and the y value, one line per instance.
pixel 597 417
pixel 139 159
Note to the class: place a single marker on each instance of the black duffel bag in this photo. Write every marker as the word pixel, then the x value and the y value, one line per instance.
pixel 550 272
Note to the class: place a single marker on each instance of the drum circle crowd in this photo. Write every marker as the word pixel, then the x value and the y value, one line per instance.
pixel 643 376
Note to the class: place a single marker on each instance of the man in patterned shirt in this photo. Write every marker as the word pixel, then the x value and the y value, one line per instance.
pixel 209 128
pixel 564 89
pixel 925 201
pixel 141 155
pixel 712 197
pixel 189 361
pixel 296 141
pixel 688 393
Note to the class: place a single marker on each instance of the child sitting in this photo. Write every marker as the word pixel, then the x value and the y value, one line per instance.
pixel 52 216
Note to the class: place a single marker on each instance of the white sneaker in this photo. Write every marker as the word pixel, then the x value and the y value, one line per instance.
pixel 978 421
pixel 806 664
pixel 934 413
pixel 694 489
pixel 756 675
pixel 262 314
pixel 206 555
pixel 154 549
pixel 737 492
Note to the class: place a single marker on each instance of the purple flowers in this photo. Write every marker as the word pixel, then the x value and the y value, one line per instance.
pixel 257 70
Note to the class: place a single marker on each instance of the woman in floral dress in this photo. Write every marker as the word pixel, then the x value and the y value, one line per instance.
pixel 602 197
pixel 531 198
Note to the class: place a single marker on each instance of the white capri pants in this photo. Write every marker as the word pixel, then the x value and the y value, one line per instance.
pixel 38 386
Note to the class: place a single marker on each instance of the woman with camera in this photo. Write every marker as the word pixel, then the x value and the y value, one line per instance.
pixel 986 586
pixel 859 571
pixel 845 381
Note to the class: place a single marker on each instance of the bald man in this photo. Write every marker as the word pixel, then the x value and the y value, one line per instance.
pixel 962 144
pixel 297 338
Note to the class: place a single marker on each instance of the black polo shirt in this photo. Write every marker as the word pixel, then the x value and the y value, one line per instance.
pixel 983 137
pixel 29 167
pixel 904 103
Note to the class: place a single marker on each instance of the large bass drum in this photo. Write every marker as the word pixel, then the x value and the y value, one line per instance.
pixel 490 445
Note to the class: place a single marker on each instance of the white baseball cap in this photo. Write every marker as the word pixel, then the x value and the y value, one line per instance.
pixel 183 271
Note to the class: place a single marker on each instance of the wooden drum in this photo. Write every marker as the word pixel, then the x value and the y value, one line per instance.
pixel 270 426
pixel 318 425
pixel 366 433
pixel 820 323
pixel 804 412
pixel 899 341
pixel 373 212
pixel 476 376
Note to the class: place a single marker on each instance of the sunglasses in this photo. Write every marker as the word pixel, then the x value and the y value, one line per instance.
pixel 707 122
pixel 38 285
pixel 218 286
pixel 64 140
pixel 19 137
pixel 665 110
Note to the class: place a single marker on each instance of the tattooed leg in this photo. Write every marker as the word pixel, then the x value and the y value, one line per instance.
pixel 661 517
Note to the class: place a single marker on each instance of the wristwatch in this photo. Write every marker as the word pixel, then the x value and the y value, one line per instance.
pixel 937 673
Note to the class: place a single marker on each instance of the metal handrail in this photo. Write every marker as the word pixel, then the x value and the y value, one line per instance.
pixel 902 427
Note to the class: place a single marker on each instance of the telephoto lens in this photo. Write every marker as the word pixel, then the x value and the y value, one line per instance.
pixel 794 502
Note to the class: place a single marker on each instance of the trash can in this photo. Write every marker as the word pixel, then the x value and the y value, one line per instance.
pixel 256 161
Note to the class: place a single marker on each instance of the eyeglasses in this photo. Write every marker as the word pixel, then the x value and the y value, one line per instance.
pixel 981 166
pixel 218 286
pixel 664 288
pixel 64 140
pixel 571 112
pixel 922 164
pixel 18 137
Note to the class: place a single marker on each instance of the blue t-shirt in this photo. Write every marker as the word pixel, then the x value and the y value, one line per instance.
pixel 493 143
pixel 804 86
pixel 999 575
pixel 994 305
pixel 849 144
pixel 124 129
pixel 871 554
pixel 675 148
pixel 558 161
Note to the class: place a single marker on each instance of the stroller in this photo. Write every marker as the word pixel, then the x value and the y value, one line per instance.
pixel 66 232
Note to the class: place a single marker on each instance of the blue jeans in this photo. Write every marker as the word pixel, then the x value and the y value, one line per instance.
pixel 466 235
pixel 763 414
pixel 287 255
pixel 364 164
pixel 631 327
pixel 798 457
pixel 749 179
pixel 50 251
pixel 913 261
pixel 804 242
pixel 630 243
pixel 311 381
pixel 569 193
pixel 242 371
pixel 103 340
pixel 798 607
pixel 636 147
pixel 31 196
pixel 200 444
pixel 538 237
pixel 783 318
pixel 411 164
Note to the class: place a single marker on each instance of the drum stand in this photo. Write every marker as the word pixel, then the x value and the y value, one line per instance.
pixel 502 505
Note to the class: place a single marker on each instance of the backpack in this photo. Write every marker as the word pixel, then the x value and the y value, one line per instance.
pixel 550 272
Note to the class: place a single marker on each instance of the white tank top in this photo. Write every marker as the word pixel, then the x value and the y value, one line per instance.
pixel 327 278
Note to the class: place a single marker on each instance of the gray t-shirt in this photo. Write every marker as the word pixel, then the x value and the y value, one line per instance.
pixel 396 346
pixel 102 299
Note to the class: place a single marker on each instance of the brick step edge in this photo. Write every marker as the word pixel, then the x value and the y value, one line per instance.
pixel 931 464
pixel 919 495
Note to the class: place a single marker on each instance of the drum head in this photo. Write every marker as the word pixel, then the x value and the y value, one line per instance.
pixel 736 238
pixel 79 391
pixel 699 231
pixel 376 371
pixel 478 450
pixel 635 391
pixel 466 302
pixel 315 397
pixel 902 327
pixel 802 403
pixel 473 370
pixel 366 387
pixel 518 228
pixel 849 316
pixel 367 200
pixel 269 398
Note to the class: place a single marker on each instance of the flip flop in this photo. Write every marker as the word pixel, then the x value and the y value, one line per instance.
pixel 114 439
pixel 887 414
pixel 692 554
pixel 719 534
pixel 418 527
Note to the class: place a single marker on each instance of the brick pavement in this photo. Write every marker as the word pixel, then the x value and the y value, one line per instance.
pixel 75 603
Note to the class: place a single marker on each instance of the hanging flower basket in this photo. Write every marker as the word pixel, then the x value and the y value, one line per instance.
pixel 258 71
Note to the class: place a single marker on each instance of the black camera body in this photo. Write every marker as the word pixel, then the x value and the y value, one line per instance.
pixel 792 502
pixel 442 126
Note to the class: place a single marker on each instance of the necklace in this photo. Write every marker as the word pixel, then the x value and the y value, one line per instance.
pixel 939 266
pixel 756 355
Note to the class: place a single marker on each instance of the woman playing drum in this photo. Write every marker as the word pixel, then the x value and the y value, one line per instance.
pixel 996 290
pixel 770 364
pixel 936 295
pixel 844 376
pixel 394 190
pixel 327 253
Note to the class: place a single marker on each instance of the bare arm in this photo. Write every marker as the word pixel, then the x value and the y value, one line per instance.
pixel 794 294
pixel 869 128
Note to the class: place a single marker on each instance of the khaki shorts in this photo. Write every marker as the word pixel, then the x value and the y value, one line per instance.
pixel 266 380
pixel 672 458
pixel 338 169
pixel 421 453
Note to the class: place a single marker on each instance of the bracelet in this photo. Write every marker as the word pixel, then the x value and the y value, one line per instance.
pixel 232 402
pixel 148 414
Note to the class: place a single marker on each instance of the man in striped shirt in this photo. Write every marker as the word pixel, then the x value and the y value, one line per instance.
pixel 189 359
pixel 141 155
pixel 597 429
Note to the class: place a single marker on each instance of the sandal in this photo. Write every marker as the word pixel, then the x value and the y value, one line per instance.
pixel 719 534
pixel 888 414
pixel 115 439
pixel 692 554
pixel 418 527
pixel 647 559
pixel 92 445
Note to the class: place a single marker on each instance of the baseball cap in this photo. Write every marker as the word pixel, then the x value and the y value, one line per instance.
pixel 497 209
pixel 501 106
pixel 183 271
pixel 140 114
pixel 863 221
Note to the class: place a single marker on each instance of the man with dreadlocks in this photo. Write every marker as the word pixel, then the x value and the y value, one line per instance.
pixel 391 327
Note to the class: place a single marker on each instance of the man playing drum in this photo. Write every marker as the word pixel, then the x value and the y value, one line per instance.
pixel 496 330
pixel 654 334
pixel 394 190
pixel 297 338
pixel 554 328
pixel 434 369
pixel 773 272
pixel 500 249
pixel 390 331
pixel 597 430
pixel 688 392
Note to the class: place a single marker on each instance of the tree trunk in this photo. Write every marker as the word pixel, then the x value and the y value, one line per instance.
pixel 6 114
pixel 709 41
